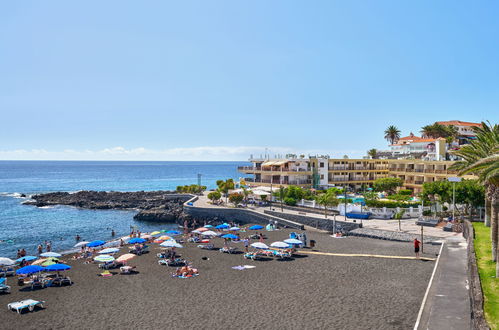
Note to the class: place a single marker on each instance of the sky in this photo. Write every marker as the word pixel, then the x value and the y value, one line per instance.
pixel 223 80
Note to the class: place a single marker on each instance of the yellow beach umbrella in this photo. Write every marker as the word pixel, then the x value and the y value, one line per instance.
pixel 164 238
pixel 155 233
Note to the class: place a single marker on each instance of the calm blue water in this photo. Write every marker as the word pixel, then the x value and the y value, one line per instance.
pixel 24 226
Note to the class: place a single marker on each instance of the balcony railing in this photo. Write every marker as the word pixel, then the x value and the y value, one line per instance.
pixel 277 182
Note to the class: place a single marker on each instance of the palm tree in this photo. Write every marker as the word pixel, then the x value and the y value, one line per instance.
pixel 327 199
pixel 392 134
pixel 481 157
pixel 372 153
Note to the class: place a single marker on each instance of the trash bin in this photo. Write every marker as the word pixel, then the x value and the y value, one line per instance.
pixel 312 243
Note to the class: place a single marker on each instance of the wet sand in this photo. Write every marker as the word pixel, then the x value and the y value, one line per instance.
pixel 307 292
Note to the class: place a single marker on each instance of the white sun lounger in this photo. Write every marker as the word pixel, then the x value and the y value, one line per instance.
pixel 30 304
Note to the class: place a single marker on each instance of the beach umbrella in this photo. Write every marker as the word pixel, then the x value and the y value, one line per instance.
pixel 165 238
pixel 109 250
pixel 51 254
pixel 49 262
pixel 158 241
pixel 155 233
pixel 202 229
pixel 231 236
pixel 41 261
pixel 146 236
pixel 96 243
pixel 293 241
pixel 125 257
pixel 29 270
pixel 195 231
pixel 26 258
pixel 171 244
pixel 126 238
pixel 137 240
pixel 209 233
pixel 173 232
pixel 255 227
pixel 104 258
pixel 81 244
pixel 281 245
pixel 208 226
pixel 6 262
pixel 222 226
pixel 259 245
pixel 57 267
pixel 234 228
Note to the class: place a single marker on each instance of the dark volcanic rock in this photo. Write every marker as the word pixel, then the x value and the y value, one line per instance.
pixel 152 205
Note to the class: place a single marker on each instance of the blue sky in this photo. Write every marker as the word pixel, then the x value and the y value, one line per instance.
pixel 219 80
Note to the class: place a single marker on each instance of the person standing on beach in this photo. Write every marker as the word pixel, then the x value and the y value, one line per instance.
pixel 416 247
pixel 49 247
pixel 246 244
pixel 40 249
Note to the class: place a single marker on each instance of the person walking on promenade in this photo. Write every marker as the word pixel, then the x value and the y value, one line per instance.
pixel 416 247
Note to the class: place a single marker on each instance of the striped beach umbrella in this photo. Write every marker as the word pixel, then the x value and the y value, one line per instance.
pixel 104 258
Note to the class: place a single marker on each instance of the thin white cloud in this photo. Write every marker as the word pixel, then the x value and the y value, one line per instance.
pixel 208 153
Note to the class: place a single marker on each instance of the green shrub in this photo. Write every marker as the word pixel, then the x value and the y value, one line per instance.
pixel 236 199
pixel 405 192
pixel 427 213
pixel 290 201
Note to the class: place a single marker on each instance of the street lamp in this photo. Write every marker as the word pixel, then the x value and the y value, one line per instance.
pixel 454 179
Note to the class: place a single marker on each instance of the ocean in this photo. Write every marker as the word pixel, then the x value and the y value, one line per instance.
pixel 23 226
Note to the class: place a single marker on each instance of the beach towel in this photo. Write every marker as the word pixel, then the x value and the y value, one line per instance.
pixel 181 276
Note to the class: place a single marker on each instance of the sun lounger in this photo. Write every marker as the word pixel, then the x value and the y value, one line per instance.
pixel 251 255
pixel 228 249
pixel 9 271
pixel 4 288
pixel 207 247
pixel 38 284
pixel 30 304
pixel 60 281
pixel 127 269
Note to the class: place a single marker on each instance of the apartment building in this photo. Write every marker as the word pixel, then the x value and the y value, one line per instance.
pixel 322 172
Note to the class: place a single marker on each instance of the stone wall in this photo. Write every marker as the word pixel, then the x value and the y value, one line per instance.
pixel 476 295
pixel 242 216
pixel 323 224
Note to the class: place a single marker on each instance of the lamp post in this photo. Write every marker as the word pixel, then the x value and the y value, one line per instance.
pixel 454 180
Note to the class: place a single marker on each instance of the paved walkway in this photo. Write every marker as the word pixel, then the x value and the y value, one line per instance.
pixel 366 255
pixel 448 303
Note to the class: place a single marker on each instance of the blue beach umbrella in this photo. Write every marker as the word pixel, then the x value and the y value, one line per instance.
pixel 222 226
pixel 57 267
pixel 26 258
pixel 173 232
pixel 231 236
pixel 29 270
pixel 208 226
pixel 256 227
pixel 137 240
pixel 96 243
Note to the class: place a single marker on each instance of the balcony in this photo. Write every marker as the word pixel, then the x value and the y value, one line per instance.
pixel 279 182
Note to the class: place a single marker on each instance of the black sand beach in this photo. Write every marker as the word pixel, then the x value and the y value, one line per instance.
pixel 308 292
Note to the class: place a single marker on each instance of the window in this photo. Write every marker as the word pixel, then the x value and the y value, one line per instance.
pixel 322 164
pixel 322 176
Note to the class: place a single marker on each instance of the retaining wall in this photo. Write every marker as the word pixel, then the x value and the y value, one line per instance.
pixel 476 295
pixel 241 216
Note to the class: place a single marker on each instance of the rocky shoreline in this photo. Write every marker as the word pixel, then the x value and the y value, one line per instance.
pixel 161 206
